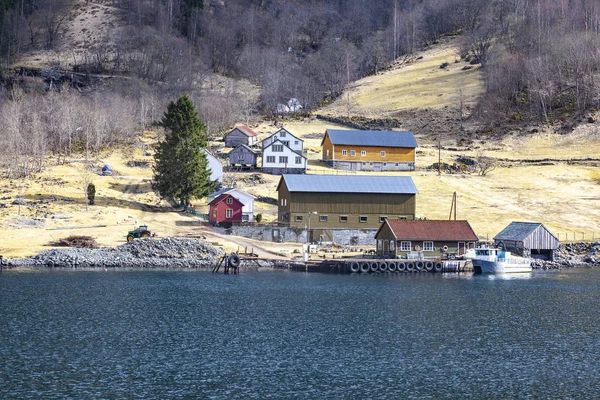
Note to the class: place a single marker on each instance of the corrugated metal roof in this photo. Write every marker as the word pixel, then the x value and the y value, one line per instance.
pixel 349 184
pixel 432 230
pixel 372 138
pixel 518 231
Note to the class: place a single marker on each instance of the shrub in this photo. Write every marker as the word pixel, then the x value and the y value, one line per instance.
pixel 91 193
pixel 258 218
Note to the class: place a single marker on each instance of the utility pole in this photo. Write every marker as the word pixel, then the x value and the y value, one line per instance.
pixel 453 207
pixel 439 156
pixel 348 77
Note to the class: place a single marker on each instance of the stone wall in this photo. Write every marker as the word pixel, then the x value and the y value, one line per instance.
pixel 266 233
pixel 354 237
pixel 371 166
pixel 282 170
pixel 347 237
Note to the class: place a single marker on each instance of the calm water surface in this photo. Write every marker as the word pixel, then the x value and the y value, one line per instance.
pixel 282 335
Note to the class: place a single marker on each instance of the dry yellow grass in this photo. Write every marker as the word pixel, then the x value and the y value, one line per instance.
pixel 563 196
pixel 420 83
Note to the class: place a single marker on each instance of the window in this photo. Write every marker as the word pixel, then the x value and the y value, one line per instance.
pixel 295 142
pixel 298 160
pixel 270 159
pixel 323 218
pixel 283 202
pixel 396 164
pixel 427 246
pixel 362 218
pixel 344 152
pixel 384 164
pixel 298 218
pixel 382 154
pixel 327 153
pixel 343 218
pixel 363 153
pixel 352 153
pixel 229 200
pixel 278 148
pixel 403 217
pixel 382 218
pixel 282 133
pixel 228 213
pixel 404 246
pixel 215 213
pixel 286 142
pixel 283 159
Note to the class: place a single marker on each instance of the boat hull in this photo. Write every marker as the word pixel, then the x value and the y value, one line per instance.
pixel 500 267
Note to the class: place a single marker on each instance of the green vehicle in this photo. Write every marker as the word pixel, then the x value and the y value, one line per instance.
pixel 140 232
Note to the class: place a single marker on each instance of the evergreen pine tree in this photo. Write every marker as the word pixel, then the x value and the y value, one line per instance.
pixel 181 169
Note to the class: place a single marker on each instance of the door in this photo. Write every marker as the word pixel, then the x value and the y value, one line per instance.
pixel 461 248
pixel 386 247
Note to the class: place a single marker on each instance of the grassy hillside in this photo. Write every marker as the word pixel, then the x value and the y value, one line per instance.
pixel 557 192
pixel 418 83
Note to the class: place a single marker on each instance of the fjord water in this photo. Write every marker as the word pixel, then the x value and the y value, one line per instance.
pixel 281 335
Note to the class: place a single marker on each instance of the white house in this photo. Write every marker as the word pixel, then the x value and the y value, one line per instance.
pixel 215 165
pixel 277 158
pixel 287 139
pixel 245 198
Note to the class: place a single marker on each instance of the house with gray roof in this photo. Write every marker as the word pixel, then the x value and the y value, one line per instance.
pixel 287 138
pixel 529 239
pixel 343 202
pixel 360 150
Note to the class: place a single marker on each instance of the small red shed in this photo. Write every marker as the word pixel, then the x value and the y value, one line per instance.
pixel 224 210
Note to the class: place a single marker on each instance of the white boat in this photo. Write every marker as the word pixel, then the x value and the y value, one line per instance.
pixel 497 261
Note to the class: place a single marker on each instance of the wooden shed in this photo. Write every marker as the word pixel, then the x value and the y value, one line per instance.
pixel 240 135
pixel 529 239
pixel 243 157
pixel 425 239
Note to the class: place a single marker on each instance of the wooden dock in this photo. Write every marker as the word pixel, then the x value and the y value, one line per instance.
pixel 370 266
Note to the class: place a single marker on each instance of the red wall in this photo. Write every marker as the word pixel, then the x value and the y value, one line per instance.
pixel 221 208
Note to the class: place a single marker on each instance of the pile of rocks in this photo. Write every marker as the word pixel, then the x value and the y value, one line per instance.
pixel 143 253
pixel 579 254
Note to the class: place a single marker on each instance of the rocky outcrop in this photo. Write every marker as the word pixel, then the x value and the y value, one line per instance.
pixel 143 253
pixel 579 254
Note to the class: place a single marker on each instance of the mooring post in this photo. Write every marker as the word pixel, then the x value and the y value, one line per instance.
pixel 1 263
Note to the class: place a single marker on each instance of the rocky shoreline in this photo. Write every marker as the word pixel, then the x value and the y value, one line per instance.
pixel 572 255
pixel 138 254
pixel 181 253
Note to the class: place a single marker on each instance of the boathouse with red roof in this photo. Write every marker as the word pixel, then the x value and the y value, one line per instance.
pixel 424 238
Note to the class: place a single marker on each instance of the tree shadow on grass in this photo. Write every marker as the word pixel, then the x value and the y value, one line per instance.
pixel 133 188
pixel 100 201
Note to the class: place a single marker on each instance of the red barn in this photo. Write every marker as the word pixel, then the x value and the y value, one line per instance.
pixel 224 210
